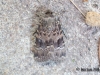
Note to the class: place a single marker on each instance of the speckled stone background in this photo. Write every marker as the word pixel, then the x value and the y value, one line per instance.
pixel 16 17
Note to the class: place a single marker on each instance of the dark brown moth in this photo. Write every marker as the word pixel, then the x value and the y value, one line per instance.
pixel 49 41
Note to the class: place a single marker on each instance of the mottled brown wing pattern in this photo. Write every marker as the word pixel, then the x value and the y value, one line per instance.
pixel 49 39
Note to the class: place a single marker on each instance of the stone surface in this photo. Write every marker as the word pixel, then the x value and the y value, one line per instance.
pixel 93 18
pixel 16 18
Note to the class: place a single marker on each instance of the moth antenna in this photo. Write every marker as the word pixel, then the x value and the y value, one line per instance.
pixel 77 7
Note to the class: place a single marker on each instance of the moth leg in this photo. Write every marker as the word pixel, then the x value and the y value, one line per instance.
pixel 64 34
pixel 34 33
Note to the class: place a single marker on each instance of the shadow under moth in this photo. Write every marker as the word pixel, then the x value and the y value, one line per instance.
pixel 49 41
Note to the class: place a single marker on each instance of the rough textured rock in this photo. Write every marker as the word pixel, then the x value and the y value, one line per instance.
pixel 16 58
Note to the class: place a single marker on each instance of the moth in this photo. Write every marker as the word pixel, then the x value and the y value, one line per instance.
pixel 49 41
